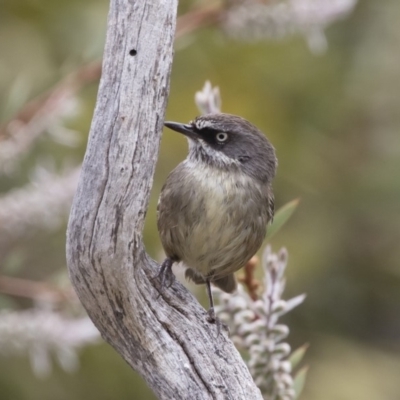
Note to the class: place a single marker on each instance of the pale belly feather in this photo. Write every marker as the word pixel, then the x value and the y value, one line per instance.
pixel 215 224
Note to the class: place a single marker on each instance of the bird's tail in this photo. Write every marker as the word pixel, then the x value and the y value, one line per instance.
pixel 227 283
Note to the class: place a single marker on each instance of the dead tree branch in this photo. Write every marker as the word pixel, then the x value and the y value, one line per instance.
pixel 163 335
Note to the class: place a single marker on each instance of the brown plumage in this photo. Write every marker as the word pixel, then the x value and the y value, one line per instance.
pixel 215 205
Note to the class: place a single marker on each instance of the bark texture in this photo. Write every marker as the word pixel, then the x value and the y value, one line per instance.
pixel 163 335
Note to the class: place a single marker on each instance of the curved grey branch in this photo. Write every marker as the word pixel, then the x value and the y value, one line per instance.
pixel 162 335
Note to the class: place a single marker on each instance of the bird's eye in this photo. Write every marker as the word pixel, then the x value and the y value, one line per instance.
pixel 221 137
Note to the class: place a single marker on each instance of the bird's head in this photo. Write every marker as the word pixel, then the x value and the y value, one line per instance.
pixel 228 141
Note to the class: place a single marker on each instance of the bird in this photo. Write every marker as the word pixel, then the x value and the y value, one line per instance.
pixel 214 207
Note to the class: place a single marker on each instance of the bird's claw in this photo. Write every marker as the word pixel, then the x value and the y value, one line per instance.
pixel 165 274
pixel 213 319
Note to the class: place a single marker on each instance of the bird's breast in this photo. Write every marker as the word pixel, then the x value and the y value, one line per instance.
pixel 213 220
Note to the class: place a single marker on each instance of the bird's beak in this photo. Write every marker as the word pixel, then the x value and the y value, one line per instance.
pixel 185 129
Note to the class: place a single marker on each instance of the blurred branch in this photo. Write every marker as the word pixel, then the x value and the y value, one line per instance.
pixel 253 20
pixel 40 205
pixel 199 17
pixel 35 290
pixel 47 102
pixel 42 332
pixel 40 114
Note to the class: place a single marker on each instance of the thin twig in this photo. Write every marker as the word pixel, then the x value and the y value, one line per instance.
pixel 35 290
pixel 198 18
pixel 72 83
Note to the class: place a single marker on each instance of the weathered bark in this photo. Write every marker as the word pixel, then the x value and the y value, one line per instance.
pixel 162 335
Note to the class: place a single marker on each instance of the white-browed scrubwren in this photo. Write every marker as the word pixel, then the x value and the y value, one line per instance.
pixel 214 207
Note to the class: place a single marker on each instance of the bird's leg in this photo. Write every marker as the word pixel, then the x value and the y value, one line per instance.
pixel 211 312
pixel 166 273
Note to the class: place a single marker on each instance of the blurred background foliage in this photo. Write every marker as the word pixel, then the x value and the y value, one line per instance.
pixel 334 120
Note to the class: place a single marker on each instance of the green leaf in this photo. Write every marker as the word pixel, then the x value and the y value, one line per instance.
pixel 281 216
pixel 296 357
pixel 299 381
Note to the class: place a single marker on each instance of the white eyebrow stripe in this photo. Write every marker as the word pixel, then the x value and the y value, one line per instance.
pixel 201 124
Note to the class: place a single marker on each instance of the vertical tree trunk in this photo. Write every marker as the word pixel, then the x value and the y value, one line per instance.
pixel 162 335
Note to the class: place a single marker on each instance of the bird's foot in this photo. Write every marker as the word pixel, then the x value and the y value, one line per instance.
pixel 165 274
pixel 213 319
